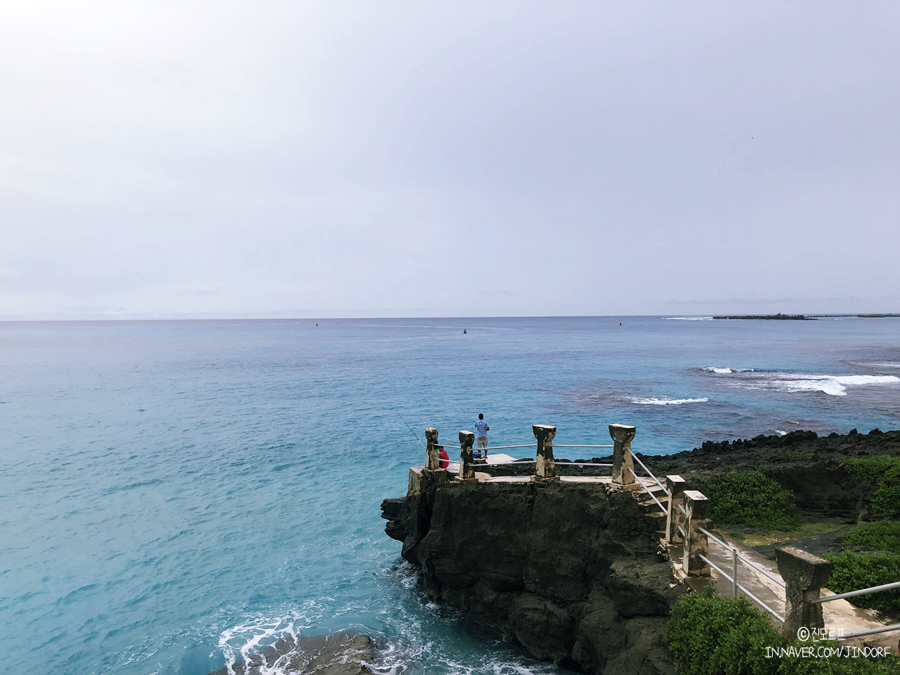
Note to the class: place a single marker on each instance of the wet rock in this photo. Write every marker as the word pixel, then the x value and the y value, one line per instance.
pixel 341 653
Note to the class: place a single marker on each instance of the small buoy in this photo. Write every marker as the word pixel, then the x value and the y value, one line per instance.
pixel 464 331
pixel 620 323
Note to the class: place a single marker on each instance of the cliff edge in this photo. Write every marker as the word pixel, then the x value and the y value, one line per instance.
pixel 572 571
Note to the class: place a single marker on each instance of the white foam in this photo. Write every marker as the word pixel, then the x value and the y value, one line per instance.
pixel 720 371
pixel 666 401
pixel 832 385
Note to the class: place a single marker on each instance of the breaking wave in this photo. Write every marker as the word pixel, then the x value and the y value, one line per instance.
pixel 832 385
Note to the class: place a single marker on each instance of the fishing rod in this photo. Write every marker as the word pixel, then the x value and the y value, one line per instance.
pixel 410 428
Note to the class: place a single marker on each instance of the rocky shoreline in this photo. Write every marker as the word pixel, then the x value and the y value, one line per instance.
pixel 573 572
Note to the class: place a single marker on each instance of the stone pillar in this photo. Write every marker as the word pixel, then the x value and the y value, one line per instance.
pixel 623 464
pixel 432 461
pixel 545 467
pixel 466 467
pixel 676 485
pixel 804 574
pixel 695 542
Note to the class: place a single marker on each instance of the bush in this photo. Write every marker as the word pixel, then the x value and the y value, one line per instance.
pixel 749 498
pixel 883 535
pixel 723 636
pixel 887 498
pixel 710 635
pixel 872 468
pixel 855 571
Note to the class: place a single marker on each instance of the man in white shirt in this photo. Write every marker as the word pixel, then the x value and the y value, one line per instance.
pixel 481 429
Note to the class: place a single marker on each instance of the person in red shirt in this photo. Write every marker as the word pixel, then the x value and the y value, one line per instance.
pixel 443 456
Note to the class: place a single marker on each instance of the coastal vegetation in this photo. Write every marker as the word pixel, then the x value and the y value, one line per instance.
pixel 885 471
pixel 709 635
pixel 750 498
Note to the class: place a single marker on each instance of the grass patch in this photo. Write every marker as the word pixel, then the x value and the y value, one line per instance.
pixel 799 455
pixel 750 498
pixel 780 536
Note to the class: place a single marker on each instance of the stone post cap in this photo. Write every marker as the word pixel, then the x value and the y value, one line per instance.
pixel 543 431
pixel 675 484
pixel 467 438
pixel 697 504
pixel 801 569
pixel 621 433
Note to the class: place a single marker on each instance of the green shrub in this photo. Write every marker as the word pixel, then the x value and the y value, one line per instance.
pixel 887 497
pixel 855 571
pixel 749 498
pixel 710 635
pixel 883 535
pixel 872 468
pixel 799 455
pixel 723 636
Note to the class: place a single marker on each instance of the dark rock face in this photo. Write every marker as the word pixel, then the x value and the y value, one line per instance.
pixel 812 467
pixel 570 570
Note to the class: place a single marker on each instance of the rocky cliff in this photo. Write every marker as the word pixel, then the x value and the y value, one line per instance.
pixel 570 570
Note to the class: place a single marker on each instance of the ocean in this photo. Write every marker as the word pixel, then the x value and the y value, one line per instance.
pixel 177 494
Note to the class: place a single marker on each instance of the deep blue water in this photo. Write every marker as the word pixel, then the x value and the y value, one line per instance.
pixel 175 492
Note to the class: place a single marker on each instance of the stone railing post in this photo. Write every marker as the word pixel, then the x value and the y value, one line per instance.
pixel 466 467
pixel 545 467
pixel 432 461
pixel 695 542
pixel 804 574
pixel 676 486
pixel 623 464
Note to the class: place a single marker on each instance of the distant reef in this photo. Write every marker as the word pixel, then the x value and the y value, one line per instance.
pixel 769 317
pixel 803 317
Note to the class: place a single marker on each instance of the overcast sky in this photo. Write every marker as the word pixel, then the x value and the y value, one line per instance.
pixel 316 159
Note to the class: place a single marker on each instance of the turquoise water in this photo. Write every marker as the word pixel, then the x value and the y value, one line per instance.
pixel 176 492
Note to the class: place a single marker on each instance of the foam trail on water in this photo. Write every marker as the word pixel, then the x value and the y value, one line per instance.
pixel 666 401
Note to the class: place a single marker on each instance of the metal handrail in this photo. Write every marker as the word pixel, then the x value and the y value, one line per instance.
pixel 649 472
pixel 852 594
pixel 873 631
pixel 748 593
pixel 752 564
pixel 583 446
pixel 665 512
